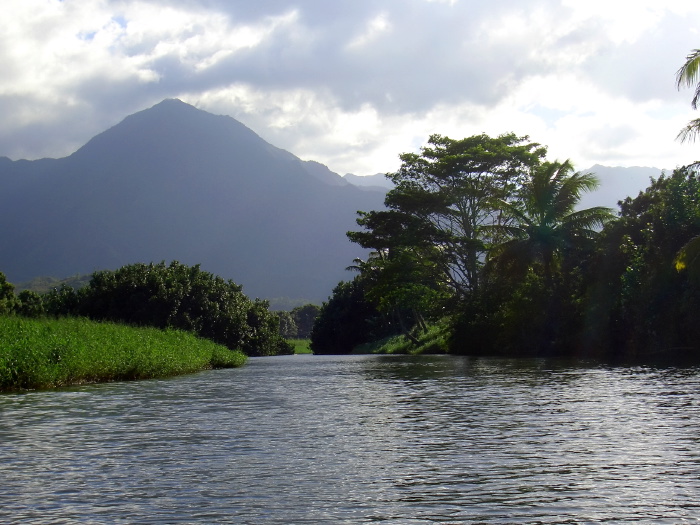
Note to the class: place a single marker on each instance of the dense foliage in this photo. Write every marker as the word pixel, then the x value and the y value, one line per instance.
pixel 348 319
pixel 172 296
pixel 486 233
pixel 297 323
pixel 647 296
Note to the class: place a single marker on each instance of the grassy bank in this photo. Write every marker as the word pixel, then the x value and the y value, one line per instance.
pixel 301 346
pixel 434 341
pixel 47 353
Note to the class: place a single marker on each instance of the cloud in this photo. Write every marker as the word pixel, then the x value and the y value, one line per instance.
pixel 353 84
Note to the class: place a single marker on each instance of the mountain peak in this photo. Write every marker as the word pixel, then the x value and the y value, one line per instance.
pixel 173 182
pixel 171 127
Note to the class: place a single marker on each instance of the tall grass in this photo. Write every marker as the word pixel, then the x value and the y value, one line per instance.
pixel 46 353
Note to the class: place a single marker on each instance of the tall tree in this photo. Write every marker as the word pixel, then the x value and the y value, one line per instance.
pixel 647 304
pixel 689 76
pixel 443 198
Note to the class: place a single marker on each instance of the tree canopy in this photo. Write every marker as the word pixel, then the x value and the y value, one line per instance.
pixel 487 233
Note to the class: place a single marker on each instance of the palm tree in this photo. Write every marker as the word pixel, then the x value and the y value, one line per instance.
pixel 687 76
pixel 543 220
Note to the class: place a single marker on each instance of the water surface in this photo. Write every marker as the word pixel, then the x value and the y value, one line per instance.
pixel 360 439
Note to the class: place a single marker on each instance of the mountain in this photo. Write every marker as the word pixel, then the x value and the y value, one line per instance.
pixel 616 184
pixel 376 181
pixel 176 183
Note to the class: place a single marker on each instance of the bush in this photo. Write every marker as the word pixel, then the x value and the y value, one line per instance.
pixel 175 296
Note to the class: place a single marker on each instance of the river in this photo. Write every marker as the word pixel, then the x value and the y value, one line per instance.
pixel 360 439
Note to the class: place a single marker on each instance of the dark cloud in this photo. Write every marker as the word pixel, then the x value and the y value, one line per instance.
pixel 429 53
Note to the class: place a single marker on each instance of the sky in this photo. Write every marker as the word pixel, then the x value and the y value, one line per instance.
pixel 354 83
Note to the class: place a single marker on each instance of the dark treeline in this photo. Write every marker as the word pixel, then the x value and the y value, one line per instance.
pixel 484 233
pixel 161 296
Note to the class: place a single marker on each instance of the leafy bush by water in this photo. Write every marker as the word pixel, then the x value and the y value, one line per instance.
pixel 46 353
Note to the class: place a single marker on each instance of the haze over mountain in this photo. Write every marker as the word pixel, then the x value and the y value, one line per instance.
pixel 176 183
pixel 616 183
pixel 377 180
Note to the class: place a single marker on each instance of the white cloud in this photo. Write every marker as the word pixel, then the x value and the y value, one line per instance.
pixel 354 84
pixel 377 26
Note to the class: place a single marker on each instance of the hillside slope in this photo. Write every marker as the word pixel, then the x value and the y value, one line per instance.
pixel 176 183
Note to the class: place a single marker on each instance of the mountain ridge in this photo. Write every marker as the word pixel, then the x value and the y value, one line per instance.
pixel 173 182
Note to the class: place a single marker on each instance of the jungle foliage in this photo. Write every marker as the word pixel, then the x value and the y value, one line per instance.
pixel 486 234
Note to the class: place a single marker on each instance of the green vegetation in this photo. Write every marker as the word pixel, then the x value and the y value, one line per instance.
pixel 298 323
pixel 301 346
pixel 174 296
pixel 689 76
pixel 482 237
pixel 140 321
pixel 434 341
pixel 46 353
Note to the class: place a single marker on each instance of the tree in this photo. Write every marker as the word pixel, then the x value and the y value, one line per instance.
pixel 287 327
pixel 688 76
pixel 442 200
pixel 175 296
pixel 544 222
pixel 304 317
pixel 7 296
pixel 688 258
pixel 30 304
pixel 643 304
pixel 536 287
pixel 346 320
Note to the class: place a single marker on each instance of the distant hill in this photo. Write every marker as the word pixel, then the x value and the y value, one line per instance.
pixel 616 184
pixel 378 180
pixel 176 183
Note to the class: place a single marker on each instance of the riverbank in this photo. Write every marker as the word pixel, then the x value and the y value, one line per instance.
pixel 434 341
pixel 48 353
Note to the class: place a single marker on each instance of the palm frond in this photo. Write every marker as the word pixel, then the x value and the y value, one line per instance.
pixel 590 218
pixel 690 132
pixel 689 74
pixel 570 192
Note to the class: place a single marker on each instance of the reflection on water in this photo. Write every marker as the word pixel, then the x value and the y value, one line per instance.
pixel 360 439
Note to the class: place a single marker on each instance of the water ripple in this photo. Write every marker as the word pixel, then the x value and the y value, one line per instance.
pixel 311 439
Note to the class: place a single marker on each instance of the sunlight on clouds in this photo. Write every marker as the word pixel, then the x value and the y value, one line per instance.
pixel 198 39
pixel 575 120
pixel 626 20
pixel 356 92
pixel 579 121
pixel 375 27
pixel 540 35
